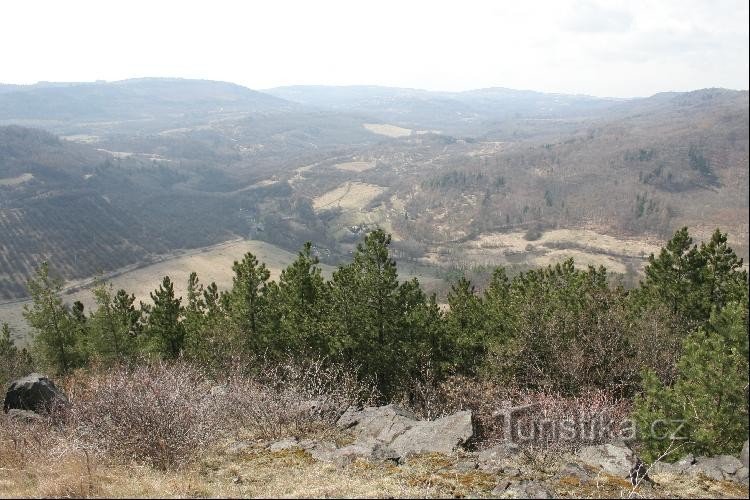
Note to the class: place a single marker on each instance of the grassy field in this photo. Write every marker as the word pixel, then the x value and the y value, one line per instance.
pixel 350 195
pixel 387 129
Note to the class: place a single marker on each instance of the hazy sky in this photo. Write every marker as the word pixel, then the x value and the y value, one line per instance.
pixel 604 48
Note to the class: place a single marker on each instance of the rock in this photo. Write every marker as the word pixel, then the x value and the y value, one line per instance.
pixel 444 435
pixel 522 489
pixel 323 451
pixel 744 454
pixel 609 458
pixel 382 422
pixel 284 444
pixel 238 448
pixel 741 476
pixel 573 471
pixel 716 468
pixel 34 392
pixel 678 468
pixel 403 433
pixel 464 465
pixel 493 459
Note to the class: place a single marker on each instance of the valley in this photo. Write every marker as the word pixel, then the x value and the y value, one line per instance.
pixel 147 186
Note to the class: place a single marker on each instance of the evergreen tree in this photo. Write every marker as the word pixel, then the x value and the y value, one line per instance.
pixel 58 335
pixel 300 304
pixel 366 316
pixel 706 409
pixel 111 335
pixel 676 279
pixel 13 362
pixel 165 330
pixel 724 280
pixel 247 302
pixel 465 323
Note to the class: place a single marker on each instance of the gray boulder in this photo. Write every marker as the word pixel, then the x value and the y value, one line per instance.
pixel 716 468
pixel 609 458
pixel 34 392
pixel 401 432
pixel 444 435
pixel 383 423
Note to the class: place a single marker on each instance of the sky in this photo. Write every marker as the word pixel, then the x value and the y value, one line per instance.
pixel 603 48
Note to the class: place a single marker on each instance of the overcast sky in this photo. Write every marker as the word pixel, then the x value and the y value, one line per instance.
pixel 604 48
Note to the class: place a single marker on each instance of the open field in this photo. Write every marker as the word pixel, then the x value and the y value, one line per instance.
pixel 387 130
pixel 355 166
pixel 583 239
pixel 350 195
pixel 14 181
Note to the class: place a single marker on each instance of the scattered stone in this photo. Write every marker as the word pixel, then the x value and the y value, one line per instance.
pixel 239 448
pixel 34 392
pixel 610 458
pixel 284 444
pixel 577 472
pixel 495 458
pixel 523 489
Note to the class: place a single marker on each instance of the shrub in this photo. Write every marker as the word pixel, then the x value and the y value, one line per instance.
pixel 158 414
pixel 292 398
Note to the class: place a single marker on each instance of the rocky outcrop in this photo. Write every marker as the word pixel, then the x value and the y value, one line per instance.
pixel 614 459
pixel 401 431
pixel 34 392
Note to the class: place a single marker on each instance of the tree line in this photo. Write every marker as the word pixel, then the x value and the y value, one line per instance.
pixel 676 344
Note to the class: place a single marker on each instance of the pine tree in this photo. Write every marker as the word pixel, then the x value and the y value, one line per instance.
pixel 247 302
pixel 57 337
pixel 110 326
pixel 365 313
pixel 676 279
pixel 13 362
pixel 300 304
pixel 465 323
pixel 706 409
pixel 724 279
pixel 165 330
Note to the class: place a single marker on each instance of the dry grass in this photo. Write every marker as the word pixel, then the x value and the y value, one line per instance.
pixel 355 166
pixel 14 181
pixel 350 195
pixel 387 130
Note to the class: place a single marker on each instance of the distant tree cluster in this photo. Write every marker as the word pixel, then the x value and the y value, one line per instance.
pixel 677 343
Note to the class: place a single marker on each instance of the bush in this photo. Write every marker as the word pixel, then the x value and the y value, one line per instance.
pixel 290 398
pixel 158 414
